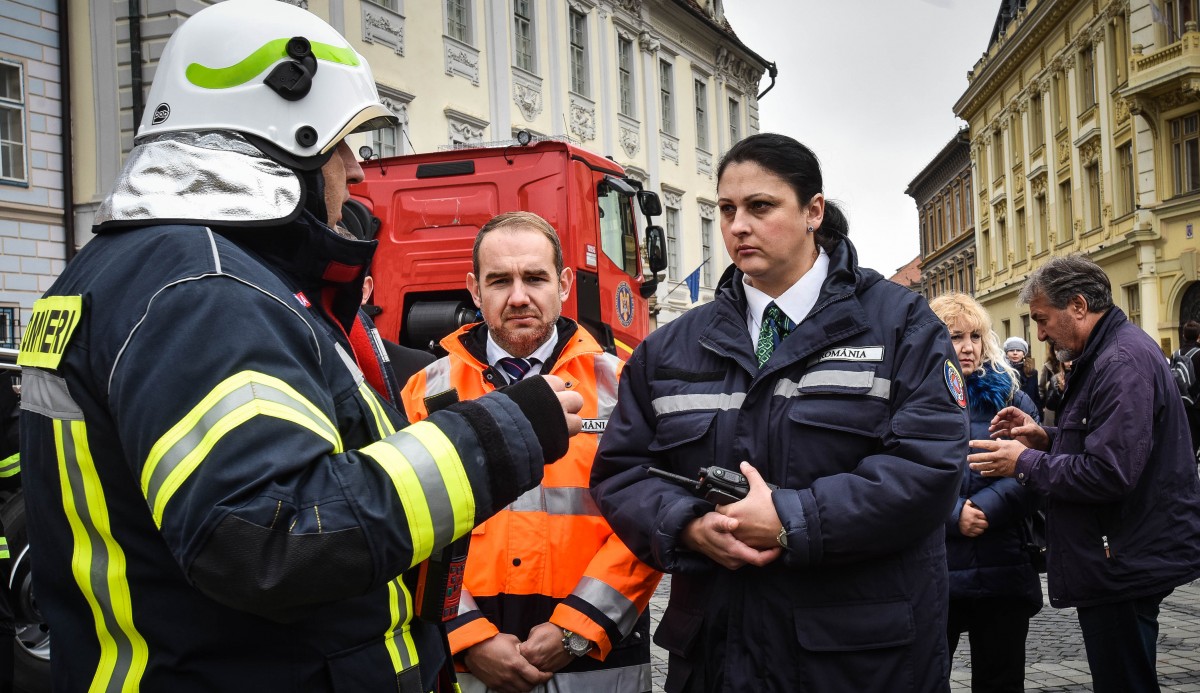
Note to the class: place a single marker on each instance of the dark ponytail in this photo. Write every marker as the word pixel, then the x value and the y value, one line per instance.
pixel 798 166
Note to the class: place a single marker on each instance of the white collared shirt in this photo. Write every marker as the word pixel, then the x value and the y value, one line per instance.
pixel 495 352
pixel 795 303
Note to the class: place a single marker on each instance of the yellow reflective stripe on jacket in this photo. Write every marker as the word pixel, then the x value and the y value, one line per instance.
pixel 98 564
pixel 433 487
pixel 230 404
pixel 383 424
pixel 399 643
pixel 10 465
pixel 4 548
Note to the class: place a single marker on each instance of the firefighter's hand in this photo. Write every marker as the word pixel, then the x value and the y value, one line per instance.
pixel 712 534
pixel 499 664
pixel 544 648
pixel 758 521
pixel 570 400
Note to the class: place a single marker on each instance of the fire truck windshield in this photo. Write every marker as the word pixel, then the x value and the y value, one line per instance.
pixel 618 237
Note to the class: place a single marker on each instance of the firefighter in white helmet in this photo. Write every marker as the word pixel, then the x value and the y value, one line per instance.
pixel 218 497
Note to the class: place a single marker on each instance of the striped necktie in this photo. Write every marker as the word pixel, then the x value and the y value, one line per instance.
pixel 514 368
pixel 775 327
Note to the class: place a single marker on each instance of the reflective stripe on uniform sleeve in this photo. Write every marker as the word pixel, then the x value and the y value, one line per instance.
pixel 607 369
pixel 558 500
pixel 4 548
pixel 98 564
pixel 437 377
pixel 383 425
pixel 398 638
pixel 610 601
pixel 10 465
pixel 676 404
pixel 240 398
pixel 433 487
pixel 880 388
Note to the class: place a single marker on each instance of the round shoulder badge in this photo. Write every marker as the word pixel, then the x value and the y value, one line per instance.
pixel 625 304
pixel 954 383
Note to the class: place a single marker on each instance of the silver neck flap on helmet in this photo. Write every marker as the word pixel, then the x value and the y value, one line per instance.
pixel 203 177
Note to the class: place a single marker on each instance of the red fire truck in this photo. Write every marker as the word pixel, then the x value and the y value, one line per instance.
pixel 430 206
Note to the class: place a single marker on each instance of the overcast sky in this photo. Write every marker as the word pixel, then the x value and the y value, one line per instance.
pixel 870 86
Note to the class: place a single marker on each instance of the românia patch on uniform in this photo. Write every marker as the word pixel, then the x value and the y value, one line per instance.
pixel 954 383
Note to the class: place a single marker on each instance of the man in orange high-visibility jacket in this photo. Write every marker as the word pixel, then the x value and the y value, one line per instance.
pixel 550 591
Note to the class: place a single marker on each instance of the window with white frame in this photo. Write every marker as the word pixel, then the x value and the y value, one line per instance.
pixel 1087 79
pixel 1185 153
pixel 1037 122
pixel 385 141
pixel 523 51
pixel 1091 175
pixel 458 20
pixel 1020 236
pixel 1177 15
pixel 8 332
pixel 1066 212
pixel 672 216
pixel 706 239
pixel 392 5
pixel 579 53
pixel 735 122
pixel 12 122
pixel 666 89
pixel 625 75
pixel 701 114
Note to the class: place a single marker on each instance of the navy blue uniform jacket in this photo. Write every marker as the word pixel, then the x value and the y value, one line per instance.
pixel 857 418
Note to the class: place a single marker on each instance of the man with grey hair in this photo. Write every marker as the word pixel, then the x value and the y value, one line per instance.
pixel 1123 497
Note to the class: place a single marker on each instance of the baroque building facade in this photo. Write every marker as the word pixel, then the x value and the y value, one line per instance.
pixel 1084 138
pixel 663 87
pixel 945 210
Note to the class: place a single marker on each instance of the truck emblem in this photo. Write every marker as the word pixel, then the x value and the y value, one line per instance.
pixel 625 304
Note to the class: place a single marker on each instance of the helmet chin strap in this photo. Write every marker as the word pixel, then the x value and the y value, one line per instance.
pixel 314 198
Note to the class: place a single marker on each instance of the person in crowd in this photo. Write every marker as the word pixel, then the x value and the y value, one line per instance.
pixel 219 499
pixel 842 391
pixel 994 588
pixel 1118 473
pixel 1191 345
pixel 1017 351
pixel 552 599
pixel 405 361
pixel 1052 382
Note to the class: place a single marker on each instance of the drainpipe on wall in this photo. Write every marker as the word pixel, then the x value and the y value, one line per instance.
pixel 68 163
pixel 135 61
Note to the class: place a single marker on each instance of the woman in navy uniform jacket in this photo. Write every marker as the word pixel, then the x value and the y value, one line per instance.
pixel 994 589
pixel 836 581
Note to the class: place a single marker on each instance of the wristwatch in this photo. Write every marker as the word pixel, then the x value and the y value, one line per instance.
pixel 575 644
pixel 782 538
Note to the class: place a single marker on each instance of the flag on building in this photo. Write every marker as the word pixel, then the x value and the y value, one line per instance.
pixel 693 283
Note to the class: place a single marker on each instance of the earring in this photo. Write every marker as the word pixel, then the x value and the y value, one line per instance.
pixel 810 228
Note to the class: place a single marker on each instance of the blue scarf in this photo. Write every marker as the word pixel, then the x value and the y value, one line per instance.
pixel 988 391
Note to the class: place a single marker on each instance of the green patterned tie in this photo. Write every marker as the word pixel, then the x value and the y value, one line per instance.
pixel 775 327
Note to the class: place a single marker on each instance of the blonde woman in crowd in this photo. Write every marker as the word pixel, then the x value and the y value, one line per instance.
pixel 994 589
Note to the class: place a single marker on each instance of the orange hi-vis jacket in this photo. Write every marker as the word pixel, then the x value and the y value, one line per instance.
pixel 550 555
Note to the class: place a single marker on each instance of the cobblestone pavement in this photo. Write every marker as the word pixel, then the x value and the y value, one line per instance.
pixel 1055 659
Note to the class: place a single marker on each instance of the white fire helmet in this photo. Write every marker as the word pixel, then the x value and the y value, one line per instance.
pixel 268 70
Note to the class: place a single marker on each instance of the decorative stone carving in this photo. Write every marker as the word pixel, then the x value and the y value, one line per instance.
pixel 631 6
pixel 1089 153
pixel 631 141
pixel 738 71
pixel 302 4
pixel 583 118
pixel 461 59
pixel 648 42
pixel 383 26
pixel 672 198
pixel 581 6
pixel 1121 111
pixel 708 210
pixel 527 93
pixel 464 128
pixel 670 146
pixel 1064 152
pixel 704 163
pixel 1038 186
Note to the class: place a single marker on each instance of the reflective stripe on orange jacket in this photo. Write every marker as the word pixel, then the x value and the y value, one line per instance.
pixel 548 556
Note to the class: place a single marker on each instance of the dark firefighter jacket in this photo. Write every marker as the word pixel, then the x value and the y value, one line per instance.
pixel 218 500
pixel 859 418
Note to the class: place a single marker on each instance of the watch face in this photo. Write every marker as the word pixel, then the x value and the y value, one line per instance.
pixel 578 645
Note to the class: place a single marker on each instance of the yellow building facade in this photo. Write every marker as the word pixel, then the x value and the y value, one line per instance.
pixel 1085 138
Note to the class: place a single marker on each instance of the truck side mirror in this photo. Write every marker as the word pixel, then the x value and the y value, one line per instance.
pixel 649 202
pixel 656 247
